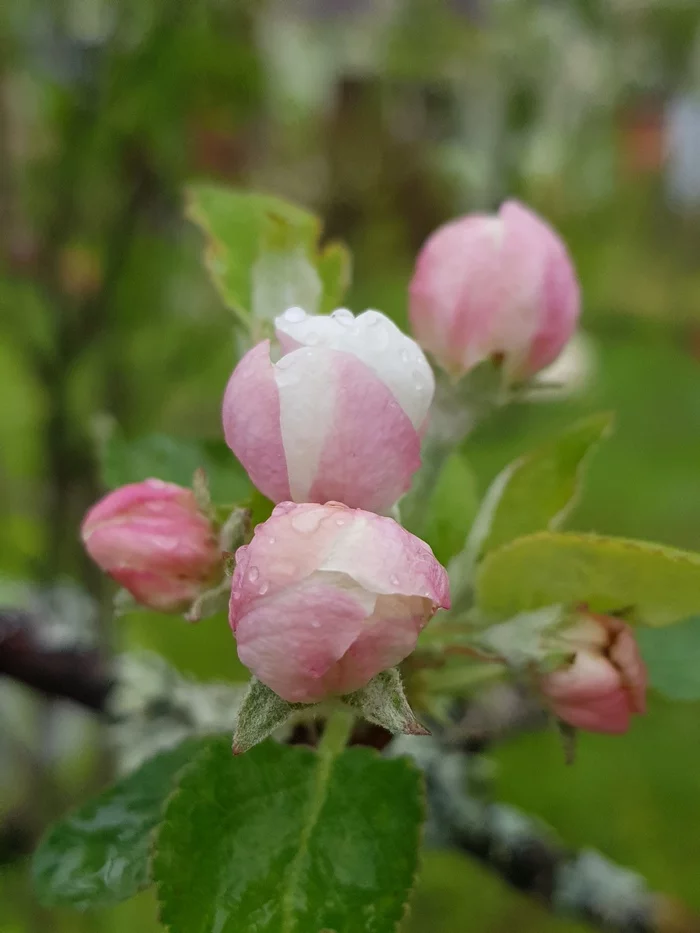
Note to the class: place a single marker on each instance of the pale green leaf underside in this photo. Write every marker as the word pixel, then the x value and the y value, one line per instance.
pixel 649 583
pixel 257 843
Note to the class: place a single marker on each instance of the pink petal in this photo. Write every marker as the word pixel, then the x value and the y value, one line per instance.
pixel 372 449
pixel 625 655
pixel 387 637
pixel 162 593
pixel 293 639
pixel 386 559
pixel 251 419
pixel 149 496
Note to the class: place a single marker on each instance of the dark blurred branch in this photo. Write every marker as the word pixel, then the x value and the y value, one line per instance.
pixel 582 885
pixel 61 674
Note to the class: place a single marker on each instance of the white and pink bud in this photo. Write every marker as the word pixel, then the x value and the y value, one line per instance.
pixel 498 287
pixel 604 683
pixel 325 597
pixel 154 541
pixel 338 417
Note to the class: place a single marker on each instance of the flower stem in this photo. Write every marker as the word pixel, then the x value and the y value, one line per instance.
pixel 335 734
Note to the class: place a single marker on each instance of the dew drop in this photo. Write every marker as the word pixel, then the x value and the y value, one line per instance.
pixel 315 624
pixel 264 587
pixel 294 315
pixel 405 356
pixel 312 338
pixel 394 580
pixel 340 522
pixel 285 362
pixel 373 318
pixel 271 540
pixel 307 522
pixel 343 316
pixel 253 574
pixel 236 595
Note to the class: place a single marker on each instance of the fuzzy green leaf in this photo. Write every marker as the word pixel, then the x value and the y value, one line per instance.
pixel 98 855
pixel 261 712
pixel 279 840
pixel 646 582
pixel 264 250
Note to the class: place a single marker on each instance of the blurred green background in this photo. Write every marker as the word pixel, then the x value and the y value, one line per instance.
pixel 386 118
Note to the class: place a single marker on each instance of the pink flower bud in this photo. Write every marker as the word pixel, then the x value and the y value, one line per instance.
pixel 494 287
pixel 338 417
pixel 604 683
pixel 153 540
pixel 324 597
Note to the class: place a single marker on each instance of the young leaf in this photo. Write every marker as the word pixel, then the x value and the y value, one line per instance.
pixel 384 702
pixel 98 855
pixel 261 712
pixel 646 582
pixel 672 658
pixel 283 275
pixel 233 223
pixel 452 508
pixel 280 840
pixel 255 242
pixel 538 490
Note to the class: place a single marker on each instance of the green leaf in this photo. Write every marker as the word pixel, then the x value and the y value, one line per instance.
pixel 261 712
pixel 649 583
pixel 174 460
pixel 538 490
pixel 383 701
pixel 453 505
pixel 672 657
pixel 281 839
pixel 244 229
pixel 98 855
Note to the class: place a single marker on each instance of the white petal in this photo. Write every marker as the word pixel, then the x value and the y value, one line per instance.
pixel 375 340
pixel 307 388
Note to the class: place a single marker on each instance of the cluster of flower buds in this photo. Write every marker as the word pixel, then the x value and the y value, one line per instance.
pixel 330 592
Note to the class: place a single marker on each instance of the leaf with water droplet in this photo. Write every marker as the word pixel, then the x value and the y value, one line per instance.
pixel 98 854
pixel 284 840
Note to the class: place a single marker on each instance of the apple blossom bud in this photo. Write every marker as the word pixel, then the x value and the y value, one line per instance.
pixel 498 287
pixel 153 540
pixel 325 597
pixel 339 417
pixel 605 681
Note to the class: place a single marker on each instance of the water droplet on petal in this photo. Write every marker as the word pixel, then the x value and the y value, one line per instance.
pixel 373 318
pixel 315 624
pixel 271 540
pixel 312 338
pixel 307 522
pixel 340 522
pixel 285 362
pixel 264 587
pixel 343 316
pixel 405 356
pixel 253 574
pixel 236 595
pixel 394 580
pixel 294 315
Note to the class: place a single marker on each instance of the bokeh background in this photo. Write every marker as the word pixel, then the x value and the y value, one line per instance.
pixel 386 118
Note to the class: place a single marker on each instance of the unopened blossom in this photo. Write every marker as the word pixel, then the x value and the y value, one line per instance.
pixel 603 683
pixel 499 287
pixel 338 417
pixel 325 597
pixel 153 540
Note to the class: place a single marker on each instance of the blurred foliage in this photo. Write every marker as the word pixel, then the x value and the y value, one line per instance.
pixel 386 119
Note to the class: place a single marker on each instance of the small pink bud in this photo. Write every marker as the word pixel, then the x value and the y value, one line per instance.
pixel 494 287
pixel 153 540
pixel 325 597
pixel 338 417
pixel 604 683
